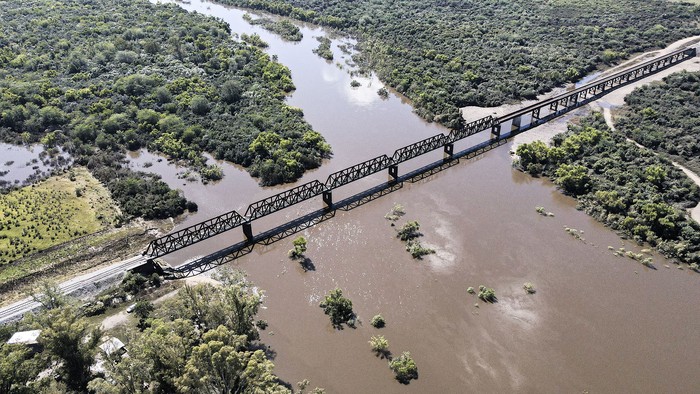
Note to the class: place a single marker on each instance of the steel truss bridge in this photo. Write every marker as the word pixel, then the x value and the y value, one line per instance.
pixel 520 121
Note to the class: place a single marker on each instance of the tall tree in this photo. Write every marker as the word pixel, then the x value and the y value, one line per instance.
pixel 70 339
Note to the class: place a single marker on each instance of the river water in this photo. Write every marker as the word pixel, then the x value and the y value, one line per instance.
pixel 598 323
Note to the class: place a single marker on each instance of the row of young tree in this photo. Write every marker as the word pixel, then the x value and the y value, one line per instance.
pixel 97 78
pixel 630 189
pixel 204 340
pixel 450 54
pixel 666 117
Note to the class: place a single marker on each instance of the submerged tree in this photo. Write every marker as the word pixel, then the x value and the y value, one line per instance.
pixel 337 307
pixel 404 367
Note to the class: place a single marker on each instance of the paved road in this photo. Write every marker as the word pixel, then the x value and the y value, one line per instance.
pixel 17 309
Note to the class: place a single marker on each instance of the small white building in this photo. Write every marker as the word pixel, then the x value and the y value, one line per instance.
pixel 112 345
pixel 27 338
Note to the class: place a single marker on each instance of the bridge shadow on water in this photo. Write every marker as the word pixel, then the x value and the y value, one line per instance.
pixel 240 249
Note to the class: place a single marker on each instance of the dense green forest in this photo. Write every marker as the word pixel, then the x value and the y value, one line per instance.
pixel 630 189
pixel 202 340
pixel 99 77
pixel 449 54
pixel 666 117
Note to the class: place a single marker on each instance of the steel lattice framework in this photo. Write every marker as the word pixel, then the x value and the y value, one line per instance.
pixel 472 128
pixel 284 200
pixel 358 171
pixel 540 113
pixel 193 234
pixel 419 148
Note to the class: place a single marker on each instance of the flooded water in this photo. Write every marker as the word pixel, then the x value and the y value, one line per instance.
pixel 598 323
pixel 20 164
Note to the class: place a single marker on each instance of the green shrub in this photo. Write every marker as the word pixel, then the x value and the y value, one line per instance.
pixel 529 288
pixel 487 294
pixel 338 308
pixel 404 367
pixel 377 321
pixel 380 346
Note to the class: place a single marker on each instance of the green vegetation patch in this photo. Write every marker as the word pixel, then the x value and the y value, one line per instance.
pixel 286 29
pixel 54 211
pixel 100 77
pixel 324 49
pixel 665 117
pixel 450 54
pixel 630 189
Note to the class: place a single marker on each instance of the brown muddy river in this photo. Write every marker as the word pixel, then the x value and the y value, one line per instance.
pixel 598 323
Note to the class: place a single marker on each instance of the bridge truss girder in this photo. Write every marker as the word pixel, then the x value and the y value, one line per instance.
pixel 409 152
pixel 284 200
pixel 358 171
pixel 193 234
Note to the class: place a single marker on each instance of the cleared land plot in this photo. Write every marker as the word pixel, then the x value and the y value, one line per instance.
pixel 51 212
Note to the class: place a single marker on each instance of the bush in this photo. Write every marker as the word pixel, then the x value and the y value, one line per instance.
pixel 487 294
pixel 409 231
pixel 378 321
pixel 416 249
pixel 299 248
pixel 404 367
pixel 337 307
pixel 133 283
pixel 380 346
pixel 529 288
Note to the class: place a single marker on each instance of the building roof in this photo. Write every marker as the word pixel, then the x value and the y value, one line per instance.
pixel 25 337
pixel 111 345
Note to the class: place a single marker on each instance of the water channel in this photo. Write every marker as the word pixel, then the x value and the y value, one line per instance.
pixel 598 323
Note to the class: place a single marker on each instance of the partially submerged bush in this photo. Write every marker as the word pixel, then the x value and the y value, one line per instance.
pixel 380 346
pixel 338 308
pixel 417 250
pixel 299 248
pixel 404 367
pixel 409 231
pixel 487 294
pixel 378 321
pixel 529 288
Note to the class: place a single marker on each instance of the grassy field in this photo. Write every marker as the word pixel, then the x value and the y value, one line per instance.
pixel 51 212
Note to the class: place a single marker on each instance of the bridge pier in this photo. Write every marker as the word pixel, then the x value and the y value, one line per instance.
pixel 496 131
pixel 515 126
pixel 248 231
pixel 449 151
pixel 393 172
pixel 328 199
